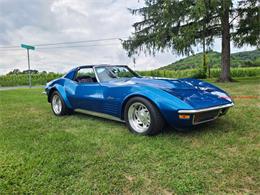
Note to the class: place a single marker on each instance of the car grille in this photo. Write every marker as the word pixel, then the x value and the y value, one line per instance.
pixel 205 116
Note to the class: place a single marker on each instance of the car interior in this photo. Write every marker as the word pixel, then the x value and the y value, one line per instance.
pixel 85 75
pixel 86 79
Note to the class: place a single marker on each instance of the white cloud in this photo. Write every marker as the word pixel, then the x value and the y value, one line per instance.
pixel 51 21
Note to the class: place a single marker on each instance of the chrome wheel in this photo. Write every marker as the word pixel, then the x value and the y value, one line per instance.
pixel 56 104
pixel 139 117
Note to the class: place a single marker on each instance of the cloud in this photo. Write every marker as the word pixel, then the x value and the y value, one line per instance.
pixel 52 21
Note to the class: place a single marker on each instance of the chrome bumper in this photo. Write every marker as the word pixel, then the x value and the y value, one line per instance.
pixel 205 109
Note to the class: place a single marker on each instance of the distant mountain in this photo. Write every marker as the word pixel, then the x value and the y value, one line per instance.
pixel 240 59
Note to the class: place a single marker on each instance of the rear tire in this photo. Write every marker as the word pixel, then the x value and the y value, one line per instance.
pixel 58 105
pixel 142 117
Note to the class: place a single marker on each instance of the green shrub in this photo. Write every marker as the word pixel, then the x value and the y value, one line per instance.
pixel 43 78
pixel 193 73
pixel 22 79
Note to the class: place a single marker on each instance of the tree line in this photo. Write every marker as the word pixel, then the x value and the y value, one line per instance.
pixel 18 71
pixel 179 25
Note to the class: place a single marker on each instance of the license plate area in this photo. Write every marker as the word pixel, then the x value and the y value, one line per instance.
pixel 202 117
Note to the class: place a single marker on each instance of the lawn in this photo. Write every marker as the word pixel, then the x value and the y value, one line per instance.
pixel 42 153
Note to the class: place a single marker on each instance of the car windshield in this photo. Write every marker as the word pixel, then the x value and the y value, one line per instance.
pixel 108 73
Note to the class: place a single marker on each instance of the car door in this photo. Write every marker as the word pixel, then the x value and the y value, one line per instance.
pixel 84 92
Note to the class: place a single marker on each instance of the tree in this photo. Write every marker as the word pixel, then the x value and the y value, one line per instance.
pixel 32 71
pixel 177 26
pixel 14 71
pixel 225 32
pixel 248 28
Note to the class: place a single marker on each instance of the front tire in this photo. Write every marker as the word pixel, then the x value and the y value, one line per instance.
pixel 142 117
pixel 58 106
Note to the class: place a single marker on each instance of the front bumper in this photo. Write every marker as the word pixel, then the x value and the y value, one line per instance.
pixel 205 109
pixel 206 114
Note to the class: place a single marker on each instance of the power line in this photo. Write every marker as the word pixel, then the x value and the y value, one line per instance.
pixel 64 43
pixel 75 42
pixel 60 47
pixel 77 46
pixel 11 49
pixel 10 46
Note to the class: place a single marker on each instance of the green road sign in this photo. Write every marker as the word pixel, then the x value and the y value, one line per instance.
pixel 27 46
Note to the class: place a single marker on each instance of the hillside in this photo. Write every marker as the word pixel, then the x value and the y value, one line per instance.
pixel 240 59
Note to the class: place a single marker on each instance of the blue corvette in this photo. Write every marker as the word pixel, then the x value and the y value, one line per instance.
pixel 145 104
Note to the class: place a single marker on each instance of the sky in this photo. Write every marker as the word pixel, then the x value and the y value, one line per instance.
pixel 54 21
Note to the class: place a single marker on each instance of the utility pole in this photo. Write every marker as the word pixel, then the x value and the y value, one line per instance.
pixel 29 68
pixel 28 47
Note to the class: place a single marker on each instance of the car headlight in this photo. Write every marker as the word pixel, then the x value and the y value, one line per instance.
pixel 222 95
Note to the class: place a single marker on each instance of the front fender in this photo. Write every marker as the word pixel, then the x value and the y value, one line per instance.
pixel 165 102
pixel 201 84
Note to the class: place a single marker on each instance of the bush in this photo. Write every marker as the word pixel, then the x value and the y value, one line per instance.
pixel 42 78
pixel 193 73
pixel 22 79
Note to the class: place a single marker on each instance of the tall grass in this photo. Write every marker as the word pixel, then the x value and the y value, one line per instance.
pixel 42 79
pixel 215 72
pixel 22 79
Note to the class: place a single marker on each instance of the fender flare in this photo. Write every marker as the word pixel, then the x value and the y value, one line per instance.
pixel 161 99
pixel 62 92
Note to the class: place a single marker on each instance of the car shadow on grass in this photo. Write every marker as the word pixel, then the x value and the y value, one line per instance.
pixel 217 126
pixel 96 118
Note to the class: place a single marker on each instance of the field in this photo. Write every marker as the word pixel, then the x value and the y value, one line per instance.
pixel 42 79
pixel 215 72
pixel 22 79
pixel 42 154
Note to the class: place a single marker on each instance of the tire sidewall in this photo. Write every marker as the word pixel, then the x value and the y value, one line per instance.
pixel 63 109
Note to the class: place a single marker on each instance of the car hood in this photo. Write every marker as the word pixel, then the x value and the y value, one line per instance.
pixel 196 93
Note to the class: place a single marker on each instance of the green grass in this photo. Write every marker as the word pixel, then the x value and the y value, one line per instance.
pixel 41 153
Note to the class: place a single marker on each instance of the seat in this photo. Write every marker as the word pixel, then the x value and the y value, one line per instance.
pixel 85 79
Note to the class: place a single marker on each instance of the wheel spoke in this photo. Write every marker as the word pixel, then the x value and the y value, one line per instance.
pixel 139 117
pixel 136 114
pixel 56 104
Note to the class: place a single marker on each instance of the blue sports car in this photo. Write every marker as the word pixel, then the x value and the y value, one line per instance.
pixel 146 105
